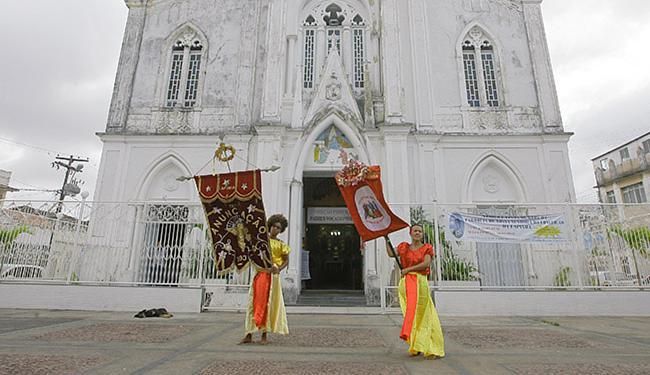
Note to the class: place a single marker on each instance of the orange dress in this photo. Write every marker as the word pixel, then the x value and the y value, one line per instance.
pixel 266 311
pixel 421 327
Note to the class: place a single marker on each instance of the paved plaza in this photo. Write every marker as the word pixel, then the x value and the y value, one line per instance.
pixel 72 342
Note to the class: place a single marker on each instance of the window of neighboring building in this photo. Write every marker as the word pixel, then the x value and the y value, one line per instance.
pixel 184 72
pixel 604 164
pixel 646 146
pixel 634 193
pixel 625 154
pixel 611 197
pixel 480 70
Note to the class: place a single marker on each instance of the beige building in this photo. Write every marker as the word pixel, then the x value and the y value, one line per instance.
pixel 5 176
pixel 623 173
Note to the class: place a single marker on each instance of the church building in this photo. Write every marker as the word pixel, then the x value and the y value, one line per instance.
pixel 454 99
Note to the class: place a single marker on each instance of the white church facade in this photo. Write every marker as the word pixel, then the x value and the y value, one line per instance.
pixel 454 99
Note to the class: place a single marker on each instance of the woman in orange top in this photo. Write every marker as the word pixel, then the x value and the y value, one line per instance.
pixel 266 312
pixel 421 327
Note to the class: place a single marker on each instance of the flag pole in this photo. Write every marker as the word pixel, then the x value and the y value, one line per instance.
pixel 187 178
pixel 392 251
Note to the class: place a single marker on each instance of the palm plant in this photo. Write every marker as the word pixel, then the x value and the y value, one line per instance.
pixel 452 267
pixel 7 237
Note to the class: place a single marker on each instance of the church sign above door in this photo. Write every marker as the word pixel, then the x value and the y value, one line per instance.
pixel 328 215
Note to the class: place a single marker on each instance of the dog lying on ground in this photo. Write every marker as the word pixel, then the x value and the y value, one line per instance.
pixel 153 313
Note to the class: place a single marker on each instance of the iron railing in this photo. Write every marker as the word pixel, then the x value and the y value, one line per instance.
pixel 167 244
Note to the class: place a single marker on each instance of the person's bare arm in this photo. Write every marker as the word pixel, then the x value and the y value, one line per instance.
pixel 420 266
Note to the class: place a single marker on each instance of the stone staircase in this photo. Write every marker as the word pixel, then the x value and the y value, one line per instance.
pixel 337 298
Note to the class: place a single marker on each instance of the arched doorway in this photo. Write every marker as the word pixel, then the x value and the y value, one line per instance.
pixel 164 222
pixel 317 157
pixel 495 187
pixel 332 244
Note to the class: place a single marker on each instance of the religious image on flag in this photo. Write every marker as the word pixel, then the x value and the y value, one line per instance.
pixel 361 188
pixel 235 213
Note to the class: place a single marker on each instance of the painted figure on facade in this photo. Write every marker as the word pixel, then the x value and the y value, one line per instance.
pixel 266 312
pixel 421 327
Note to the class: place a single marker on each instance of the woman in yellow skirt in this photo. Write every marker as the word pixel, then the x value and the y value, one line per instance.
pixel 266 312
pixel 421 327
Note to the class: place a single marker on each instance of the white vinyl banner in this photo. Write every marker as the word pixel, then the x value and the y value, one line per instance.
pixel 507 229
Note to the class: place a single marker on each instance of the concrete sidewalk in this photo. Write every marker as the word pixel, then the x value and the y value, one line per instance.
pixel 70 342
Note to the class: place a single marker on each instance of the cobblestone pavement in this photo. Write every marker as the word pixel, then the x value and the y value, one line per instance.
pixel 69 342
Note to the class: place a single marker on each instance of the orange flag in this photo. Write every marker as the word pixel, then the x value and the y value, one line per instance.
pixel 361 188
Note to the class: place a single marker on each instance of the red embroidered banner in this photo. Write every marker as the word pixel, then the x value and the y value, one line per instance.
pixel 361 188
pixel 235 212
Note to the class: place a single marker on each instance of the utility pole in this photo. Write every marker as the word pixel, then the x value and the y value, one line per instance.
pixel 68 188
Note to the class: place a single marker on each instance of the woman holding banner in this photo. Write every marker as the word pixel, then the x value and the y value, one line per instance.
pixel 421 327
pixel 266 312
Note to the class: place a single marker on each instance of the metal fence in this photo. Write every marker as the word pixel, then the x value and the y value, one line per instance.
pixel 167 244
pixel 607 246
pixel 148 243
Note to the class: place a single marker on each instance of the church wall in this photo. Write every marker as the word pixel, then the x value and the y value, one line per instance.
pixel 431 70
pixel 444 166
pixel 422 132
pixel 231 29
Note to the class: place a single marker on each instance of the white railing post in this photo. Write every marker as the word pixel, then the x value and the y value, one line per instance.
pixel 439 248
pixel 205 241
pixel 573 223
pixel 77 244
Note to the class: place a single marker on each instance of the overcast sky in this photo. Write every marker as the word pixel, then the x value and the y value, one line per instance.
pixel 59 58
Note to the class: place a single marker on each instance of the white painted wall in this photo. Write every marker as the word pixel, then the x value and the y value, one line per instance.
pixel 416 123
pixel 98 298
pixel 553 303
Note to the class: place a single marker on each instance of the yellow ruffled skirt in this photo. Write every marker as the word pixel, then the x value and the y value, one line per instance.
pixel 276 315
pixel 421 327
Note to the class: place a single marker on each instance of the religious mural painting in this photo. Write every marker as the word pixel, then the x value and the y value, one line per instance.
pixel 332 147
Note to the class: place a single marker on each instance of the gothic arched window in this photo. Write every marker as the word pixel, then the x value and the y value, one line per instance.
pixel 184 72
pixel 480 70
pixel 310 52
pixel 339 27
pixel 358 51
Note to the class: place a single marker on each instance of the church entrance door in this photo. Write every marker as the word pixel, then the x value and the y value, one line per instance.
pixel 331 241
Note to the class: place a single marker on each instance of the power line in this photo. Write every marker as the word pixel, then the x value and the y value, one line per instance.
pixel 28 145
pixel 25 183
pixel 50 152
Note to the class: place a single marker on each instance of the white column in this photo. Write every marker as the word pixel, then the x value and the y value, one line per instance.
pixel 273 72
pixel 267 149
pixel 129 56
pixel 247 61
pixel 321 54
pixel 395 172
pixel 291 64
pixel 420 50
pixel 346 52
pixel 391 62
pixel 291 280
pixel 541 61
